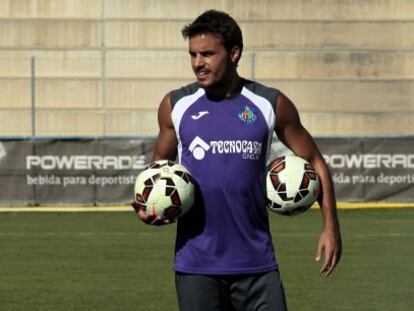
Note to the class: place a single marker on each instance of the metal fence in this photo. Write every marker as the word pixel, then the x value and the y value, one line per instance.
pixel 116 93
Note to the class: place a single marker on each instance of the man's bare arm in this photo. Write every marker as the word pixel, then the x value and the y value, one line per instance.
pixel 166 144
pixel 165 148
pixel 291 132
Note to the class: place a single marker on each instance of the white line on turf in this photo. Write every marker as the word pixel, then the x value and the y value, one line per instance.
pixel 124 208
pixel 135 234
pixel 67 209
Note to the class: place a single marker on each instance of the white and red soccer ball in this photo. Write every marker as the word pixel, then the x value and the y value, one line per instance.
pixel 167 189
pixel 164 189
pixel 292 185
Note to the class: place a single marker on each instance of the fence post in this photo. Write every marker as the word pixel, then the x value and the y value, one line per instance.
pixel 103 69
pixel 253 66
pixel 34 201
pixel 33 93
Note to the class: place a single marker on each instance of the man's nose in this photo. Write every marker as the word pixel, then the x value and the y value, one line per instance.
pixel 198 61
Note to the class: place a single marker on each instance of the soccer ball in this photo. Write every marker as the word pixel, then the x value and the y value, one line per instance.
pixel 292 185
pixel 165 189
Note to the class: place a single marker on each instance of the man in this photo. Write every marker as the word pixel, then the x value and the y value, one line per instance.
pixel 224 253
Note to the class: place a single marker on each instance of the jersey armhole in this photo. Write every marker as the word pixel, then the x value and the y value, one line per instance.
pixel 275 105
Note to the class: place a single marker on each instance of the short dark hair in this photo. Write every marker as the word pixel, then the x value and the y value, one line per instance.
pixel 218 23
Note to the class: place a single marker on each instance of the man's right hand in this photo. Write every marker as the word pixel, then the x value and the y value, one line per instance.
pixel 150 219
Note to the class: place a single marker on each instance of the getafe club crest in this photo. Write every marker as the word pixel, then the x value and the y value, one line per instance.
pixel 247 115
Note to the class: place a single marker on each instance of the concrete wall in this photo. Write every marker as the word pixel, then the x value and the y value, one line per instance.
pixel 102 66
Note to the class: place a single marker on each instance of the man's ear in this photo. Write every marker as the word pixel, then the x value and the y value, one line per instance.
pixel 235 54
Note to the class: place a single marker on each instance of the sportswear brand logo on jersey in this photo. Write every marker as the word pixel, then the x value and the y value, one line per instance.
pixel 199 147
pixel 247 115
pixel 249 150
pixel 199 115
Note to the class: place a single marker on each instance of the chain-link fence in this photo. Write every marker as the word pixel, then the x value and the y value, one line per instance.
pixel 101 67
pixel 57 94
pixel 116 93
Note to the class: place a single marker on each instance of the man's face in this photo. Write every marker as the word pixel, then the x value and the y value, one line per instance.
pixel 210 60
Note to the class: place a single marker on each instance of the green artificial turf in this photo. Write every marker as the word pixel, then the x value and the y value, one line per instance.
pixel 112 261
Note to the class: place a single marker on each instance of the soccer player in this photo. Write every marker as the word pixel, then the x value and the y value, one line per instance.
pixel 220 128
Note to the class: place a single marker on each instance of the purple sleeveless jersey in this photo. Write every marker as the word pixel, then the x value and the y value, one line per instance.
pixel 225 145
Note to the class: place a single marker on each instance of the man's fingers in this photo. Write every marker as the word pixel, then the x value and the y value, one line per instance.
pixel 157 221
pixel 335 260
pixel 149 219
pixel 329 258
pixel 330 248
pixel 330 263
pixel 319 252
pixel 136 206
pixel 326 264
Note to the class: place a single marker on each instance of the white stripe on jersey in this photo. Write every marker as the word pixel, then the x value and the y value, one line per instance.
pixel 179 109
pixel 268 112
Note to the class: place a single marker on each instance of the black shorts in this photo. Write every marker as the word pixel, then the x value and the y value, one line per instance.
pixel 252 292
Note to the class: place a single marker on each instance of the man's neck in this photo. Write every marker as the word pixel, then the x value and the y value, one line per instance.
pixel 227 89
